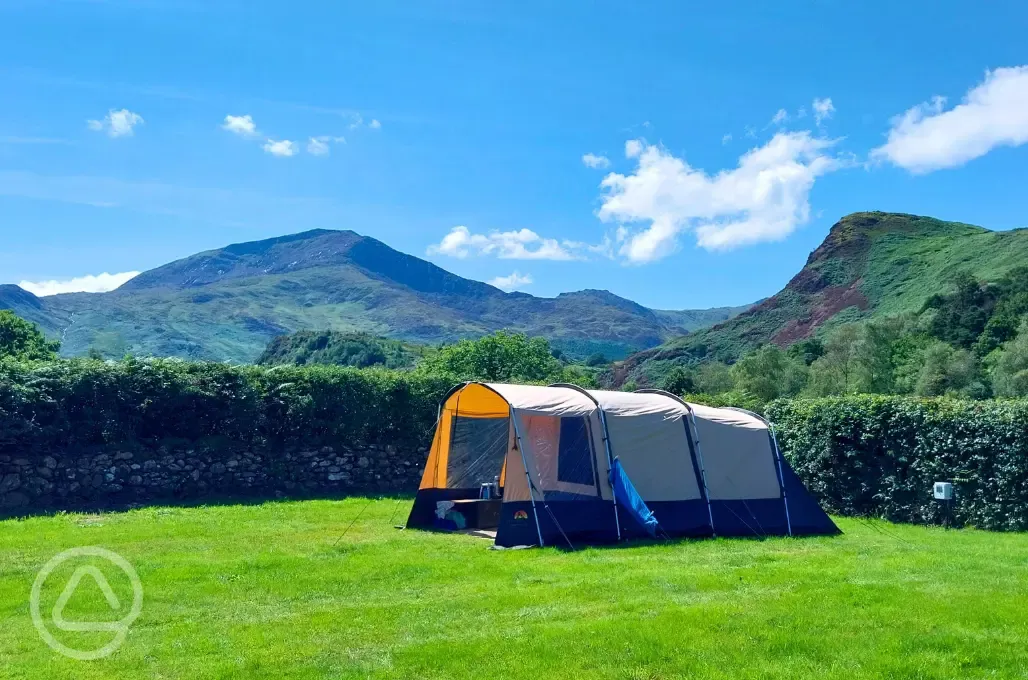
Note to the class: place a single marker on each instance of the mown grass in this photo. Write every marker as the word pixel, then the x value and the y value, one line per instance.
pixel 279 591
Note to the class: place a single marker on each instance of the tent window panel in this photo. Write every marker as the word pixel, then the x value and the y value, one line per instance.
pixel 574 454
pixel 477 451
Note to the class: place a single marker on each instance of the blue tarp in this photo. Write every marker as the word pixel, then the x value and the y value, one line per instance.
pixel 626 495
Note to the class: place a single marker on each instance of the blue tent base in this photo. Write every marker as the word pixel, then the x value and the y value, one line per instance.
pixel 591 522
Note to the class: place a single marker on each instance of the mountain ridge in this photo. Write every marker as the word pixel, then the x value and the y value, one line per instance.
pixel 228 303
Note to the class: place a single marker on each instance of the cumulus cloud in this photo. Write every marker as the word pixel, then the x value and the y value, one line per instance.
pixel 319 146
pixel 316 147
pixel 634 147
pixel 993 113
pixel 514 281
pixel 240 125
pixel 823 109
pixel 595 162
pixel 374 124
pixel 763 199
pixel 282 148
pixel 100 283
pixel 116 123
pixel 507 245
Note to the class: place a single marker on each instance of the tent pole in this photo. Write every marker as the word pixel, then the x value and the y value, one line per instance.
pixel 528 478
pixel 610 465
pixel 703 470
pixel 781 478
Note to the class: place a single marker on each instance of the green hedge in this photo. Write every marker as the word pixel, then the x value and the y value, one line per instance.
pixel 867 455
pixel 78 404
pixel 879 456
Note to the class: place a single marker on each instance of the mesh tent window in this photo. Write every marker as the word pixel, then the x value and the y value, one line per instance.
pixel 478 447
pixel 574 455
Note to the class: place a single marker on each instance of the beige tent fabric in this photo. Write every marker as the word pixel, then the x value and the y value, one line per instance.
pixel 727 416
pixel 552 401
pixel 737 456
pixel 647 432
pixel 638 403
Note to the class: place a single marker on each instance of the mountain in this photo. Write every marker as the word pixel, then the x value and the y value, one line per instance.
pixel 871 264
pixel 227 304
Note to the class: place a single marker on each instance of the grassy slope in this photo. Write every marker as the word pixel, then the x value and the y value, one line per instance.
pixel 870 264
pixel 277 591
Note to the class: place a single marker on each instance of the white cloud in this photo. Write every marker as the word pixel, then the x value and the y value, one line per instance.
pixel 595 162
pixel 508 245
pixel 750 131
pixel 515 281
pixel 100 283
pixel 725 138
pixel 356 120
pixel 116 123
pixel 319 146
pixel 374 124
pixel 763 199
pixel 823 109
pixel 780 117
pixel 993 113
pixel 316 147
pixel 240 125
pixel 282 148
pixel 633 147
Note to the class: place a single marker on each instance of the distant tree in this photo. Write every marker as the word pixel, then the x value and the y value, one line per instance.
pixel 21 339
pixel 948 370
pixel 808 351
pixel 833 373
pixel 769 373
pixel 95 354
pixel 678 381
pixel 502 357
pixel 961 316
pixel 596 360
pixel 1010 370
pixel 714 377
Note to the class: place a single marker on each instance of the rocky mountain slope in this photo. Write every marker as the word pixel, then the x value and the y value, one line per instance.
pixel 871 264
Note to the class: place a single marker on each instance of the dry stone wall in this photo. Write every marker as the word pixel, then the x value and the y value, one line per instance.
pixel 120 478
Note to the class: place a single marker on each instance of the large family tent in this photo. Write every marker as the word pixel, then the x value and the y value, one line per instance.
pixel 562 465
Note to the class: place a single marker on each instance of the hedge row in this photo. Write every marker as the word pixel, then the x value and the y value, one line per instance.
pixel 879 456
pixel 867 455
pixel 84 404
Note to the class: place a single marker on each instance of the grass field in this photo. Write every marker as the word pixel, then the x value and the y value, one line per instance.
pixel 274 591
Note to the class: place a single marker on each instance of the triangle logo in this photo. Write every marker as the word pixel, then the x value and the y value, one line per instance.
pixel 69 590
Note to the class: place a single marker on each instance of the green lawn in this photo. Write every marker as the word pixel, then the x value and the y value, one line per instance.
pixel 267 592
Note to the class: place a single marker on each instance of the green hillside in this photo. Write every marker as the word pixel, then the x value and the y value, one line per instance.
pixel 227 304
pixel 871 264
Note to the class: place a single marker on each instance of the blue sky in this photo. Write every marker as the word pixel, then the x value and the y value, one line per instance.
pixel 116 153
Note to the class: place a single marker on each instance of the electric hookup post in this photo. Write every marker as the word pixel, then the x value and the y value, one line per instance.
pixel 943 492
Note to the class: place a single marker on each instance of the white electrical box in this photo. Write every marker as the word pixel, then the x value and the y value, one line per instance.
pixel 943 491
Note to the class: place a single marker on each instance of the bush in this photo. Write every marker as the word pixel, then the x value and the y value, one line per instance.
pixel 879 456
